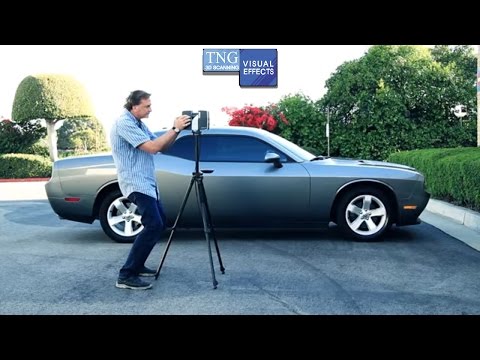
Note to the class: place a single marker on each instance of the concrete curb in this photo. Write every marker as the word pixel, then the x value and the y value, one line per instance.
pixel 24 180
pixel 466 217
pixel 463 224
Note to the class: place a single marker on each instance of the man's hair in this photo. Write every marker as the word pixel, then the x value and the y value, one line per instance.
pixel 135 98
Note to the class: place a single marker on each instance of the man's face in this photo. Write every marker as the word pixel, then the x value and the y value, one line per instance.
pixel 143 109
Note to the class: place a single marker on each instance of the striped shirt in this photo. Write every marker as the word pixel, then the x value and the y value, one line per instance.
pixel 135 167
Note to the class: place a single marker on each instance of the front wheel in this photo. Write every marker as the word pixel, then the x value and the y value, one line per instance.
pixel 364 214
pixel 119 218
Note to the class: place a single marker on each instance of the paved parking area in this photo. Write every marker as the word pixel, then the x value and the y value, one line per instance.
pixel 52 266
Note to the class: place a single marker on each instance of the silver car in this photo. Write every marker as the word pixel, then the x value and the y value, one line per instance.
pixel 259 180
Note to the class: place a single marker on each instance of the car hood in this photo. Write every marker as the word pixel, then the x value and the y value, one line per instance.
pixel 370 163
pixel 384 164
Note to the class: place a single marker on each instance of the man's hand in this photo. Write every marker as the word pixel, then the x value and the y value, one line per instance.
pixel 182 121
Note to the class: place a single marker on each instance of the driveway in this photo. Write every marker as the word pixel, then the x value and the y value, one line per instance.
pixel 50 266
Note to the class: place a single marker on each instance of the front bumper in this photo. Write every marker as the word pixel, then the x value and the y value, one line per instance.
pixel 411 216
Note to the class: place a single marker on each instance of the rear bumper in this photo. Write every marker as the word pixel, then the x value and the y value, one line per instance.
pixel 74 211
pixel 80 211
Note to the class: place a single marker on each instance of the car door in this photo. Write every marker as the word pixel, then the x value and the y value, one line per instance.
pixel 243 190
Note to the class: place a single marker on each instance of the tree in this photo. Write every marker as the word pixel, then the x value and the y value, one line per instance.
pixel 462 61
pixel 89 130
pixel 461 58
pixel 51 97
pixel 396 98
pixel 306 124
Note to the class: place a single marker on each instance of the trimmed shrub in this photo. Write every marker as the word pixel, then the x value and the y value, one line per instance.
pixel 19 166
pixel 15 138
pixel 451 174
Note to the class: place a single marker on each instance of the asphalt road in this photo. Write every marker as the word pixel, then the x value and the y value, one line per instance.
pixel 52 266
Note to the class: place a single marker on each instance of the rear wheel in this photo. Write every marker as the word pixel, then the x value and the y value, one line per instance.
pixel 119 218
pixel 364 214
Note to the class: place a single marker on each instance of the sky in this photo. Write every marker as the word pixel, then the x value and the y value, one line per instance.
pixel 171 73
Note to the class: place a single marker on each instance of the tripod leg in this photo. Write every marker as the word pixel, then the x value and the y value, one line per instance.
pixel 210 225
pixel 206 229
pixel 187 193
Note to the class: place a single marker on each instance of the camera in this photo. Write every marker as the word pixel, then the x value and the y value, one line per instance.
pixel 200 120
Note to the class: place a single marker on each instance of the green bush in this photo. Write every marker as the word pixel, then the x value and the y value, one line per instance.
pixel 15 138
pixel 451 174
pixel 18 166
pixel 39 148
pixel 398 98
pixel 67 153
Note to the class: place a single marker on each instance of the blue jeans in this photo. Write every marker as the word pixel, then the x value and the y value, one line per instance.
pixel 154 222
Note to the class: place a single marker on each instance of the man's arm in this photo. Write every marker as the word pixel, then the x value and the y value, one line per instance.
pixel 162 143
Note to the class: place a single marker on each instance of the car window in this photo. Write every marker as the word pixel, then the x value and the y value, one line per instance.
pixel 223 148
pixel 183 148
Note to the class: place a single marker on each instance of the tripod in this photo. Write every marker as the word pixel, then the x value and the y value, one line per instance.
pixel 197 180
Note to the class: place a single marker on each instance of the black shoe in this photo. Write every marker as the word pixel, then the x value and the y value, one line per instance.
pixel 133 282
pixel 147 272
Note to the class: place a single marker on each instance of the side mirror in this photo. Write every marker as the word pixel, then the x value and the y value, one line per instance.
pixel 274 158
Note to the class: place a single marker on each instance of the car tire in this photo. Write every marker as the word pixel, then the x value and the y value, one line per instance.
pixel 119 218
pixel 364 214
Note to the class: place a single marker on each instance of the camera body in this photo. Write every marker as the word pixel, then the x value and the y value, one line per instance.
pixel 200 120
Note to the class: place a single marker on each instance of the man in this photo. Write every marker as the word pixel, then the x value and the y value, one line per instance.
pixel 133 149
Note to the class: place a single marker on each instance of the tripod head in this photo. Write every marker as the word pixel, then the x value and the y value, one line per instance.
pixel 200 120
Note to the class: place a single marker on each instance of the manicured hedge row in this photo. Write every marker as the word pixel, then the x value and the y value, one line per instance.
pixel 18 166
pixel 452 174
